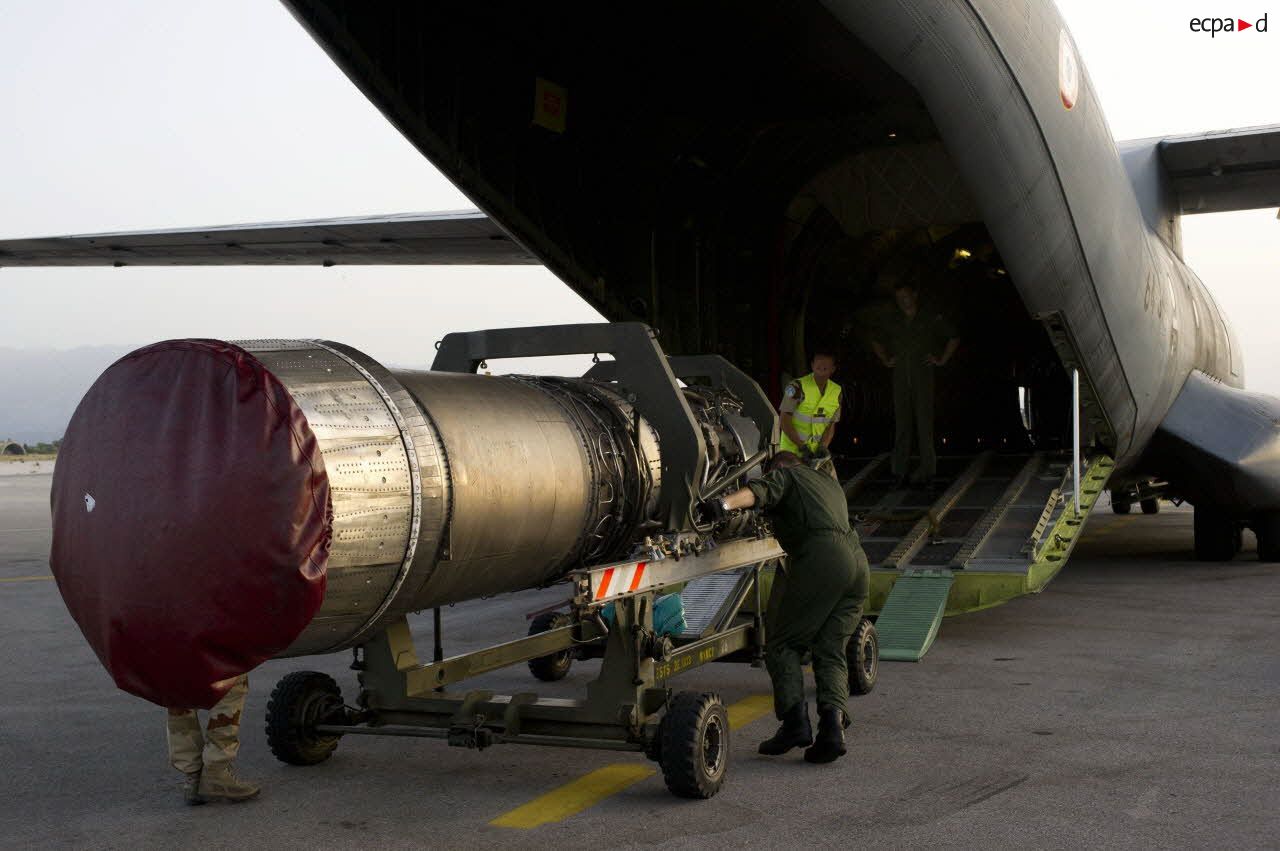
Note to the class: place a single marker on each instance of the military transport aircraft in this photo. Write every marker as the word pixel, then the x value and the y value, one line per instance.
pixel 749 178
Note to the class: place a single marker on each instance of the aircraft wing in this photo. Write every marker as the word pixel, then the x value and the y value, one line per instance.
pixel 458 237
pixel 1224 170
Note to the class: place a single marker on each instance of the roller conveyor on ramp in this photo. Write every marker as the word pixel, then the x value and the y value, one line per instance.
pixel 992 527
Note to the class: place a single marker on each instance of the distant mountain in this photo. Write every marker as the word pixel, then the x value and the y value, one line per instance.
pixel 40 388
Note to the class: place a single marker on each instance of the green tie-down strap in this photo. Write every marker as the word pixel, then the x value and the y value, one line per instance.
pixel 668 615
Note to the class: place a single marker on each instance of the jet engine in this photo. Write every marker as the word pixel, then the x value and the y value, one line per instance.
pixel 218 504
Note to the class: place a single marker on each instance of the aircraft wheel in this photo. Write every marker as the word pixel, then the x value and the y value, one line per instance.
pixel 695 745
pixel 1150 506
pixel 864 658
pixel 298 703
pixel 1267 530
pixel 1216 535
pixel 1120 507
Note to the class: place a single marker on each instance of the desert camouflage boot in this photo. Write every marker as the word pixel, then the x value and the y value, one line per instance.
pixel 186 743
pixel 191 789
pixel 218 782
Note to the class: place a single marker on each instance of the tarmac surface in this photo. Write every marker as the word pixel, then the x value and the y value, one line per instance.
pixel 1135 703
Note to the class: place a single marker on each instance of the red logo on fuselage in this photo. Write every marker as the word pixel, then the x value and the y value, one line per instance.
pixel 1068 71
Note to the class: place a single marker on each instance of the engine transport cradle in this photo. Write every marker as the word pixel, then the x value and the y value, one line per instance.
pixel 630 705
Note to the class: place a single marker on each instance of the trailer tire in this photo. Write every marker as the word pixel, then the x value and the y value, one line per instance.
pixel 694 754
pixel 1216 535
pixel 555 666
pixel 299 702
pixel 863 654
pixel 1150 506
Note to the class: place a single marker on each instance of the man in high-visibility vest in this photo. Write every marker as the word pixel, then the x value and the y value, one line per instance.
pixel 810 409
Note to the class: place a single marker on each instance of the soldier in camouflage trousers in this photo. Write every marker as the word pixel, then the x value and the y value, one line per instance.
pixel 206 759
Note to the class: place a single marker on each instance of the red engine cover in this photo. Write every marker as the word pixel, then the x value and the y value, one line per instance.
pixel 191 520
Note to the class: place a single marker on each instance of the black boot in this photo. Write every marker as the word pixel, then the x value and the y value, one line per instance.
pixel 829 745
pixel 795 732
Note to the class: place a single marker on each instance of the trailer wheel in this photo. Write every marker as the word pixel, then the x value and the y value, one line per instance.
pixel 1216 535
pixel 1150 506
pixel 555 666
pixel 863 653
pixel 695 745
pixel 299 702
pixel 1267 530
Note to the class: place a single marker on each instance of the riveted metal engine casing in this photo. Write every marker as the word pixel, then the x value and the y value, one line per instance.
pixel 387 482
pixel 448 487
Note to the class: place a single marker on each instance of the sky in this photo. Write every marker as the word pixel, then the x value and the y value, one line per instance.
pixel 144 114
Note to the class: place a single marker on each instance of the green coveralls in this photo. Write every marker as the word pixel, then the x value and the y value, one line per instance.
pixel 910 342
pixel 826 585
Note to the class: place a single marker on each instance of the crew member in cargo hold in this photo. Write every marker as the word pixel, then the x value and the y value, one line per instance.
pixel 827 581
pixel 913 343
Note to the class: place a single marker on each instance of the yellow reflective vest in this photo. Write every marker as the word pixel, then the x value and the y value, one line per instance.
pixel 816 411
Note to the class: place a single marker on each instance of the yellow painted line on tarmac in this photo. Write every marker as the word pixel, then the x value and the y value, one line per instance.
pixel 590 789
pixel 43 578
pixel 750 709
pixel 573 798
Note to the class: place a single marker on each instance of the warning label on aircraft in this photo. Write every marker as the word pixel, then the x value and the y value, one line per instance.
pixel 1068 71
pixel 550 102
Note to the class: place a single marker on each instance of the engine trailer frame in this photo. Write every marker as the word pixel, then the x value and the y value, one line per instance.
pixel 401 696
pixel 624 706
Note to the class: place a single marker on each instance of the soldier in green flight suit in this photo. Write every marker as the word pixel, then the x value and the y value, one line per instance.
pixel 821 605
pixel 913 344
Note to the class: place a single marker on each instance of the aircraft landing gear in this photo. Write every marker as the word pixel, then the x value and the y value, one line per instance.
pixel 1218 537
pixel 1267 529
pixel 1146 494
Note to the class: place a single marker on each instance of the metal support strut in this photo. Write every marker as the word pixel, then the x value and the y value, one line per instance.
pixel 1075 441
